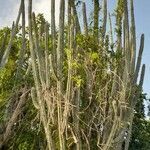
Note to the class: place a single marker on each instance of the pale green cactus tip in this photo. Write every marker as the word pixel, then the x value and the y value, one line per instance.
pixel 34 98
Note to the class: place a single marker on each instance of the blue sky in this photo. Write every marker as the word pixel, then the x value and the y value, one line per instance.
pixel 9 8
pixel 142 13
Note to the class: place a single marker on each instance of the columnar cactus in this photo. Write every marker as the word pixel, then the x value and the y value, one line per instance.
pixel 85 89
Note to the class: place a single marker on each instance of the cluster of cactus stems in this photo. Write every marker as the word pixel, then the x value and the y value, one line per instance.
pixel 90 106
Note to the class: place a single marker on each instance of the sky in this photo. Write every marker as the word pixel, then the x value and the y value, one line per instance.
pixel 9 9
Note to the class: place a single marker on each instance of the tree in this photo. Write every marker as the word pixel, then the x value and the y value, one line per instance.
pixel 141 127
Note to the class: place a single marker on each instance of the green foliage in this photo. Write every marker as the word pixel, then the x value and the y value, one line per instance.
pixel 141 127
pixel 28 132
pixel 87 43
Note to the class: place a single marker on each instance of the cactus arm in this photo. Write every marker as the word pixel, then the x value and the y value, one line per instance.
pixel 96 19
pixel 23 47
pixel 104 18
pixel 2 47
pixel 127 51
pixel 34 98
pixel 33 57
pixel 53 32
pixel 13 33
pixel 60 49
pixel 85 19
pixel 38 52
pixel 47 68
pixel 133 37
pixel 78 28
pixel 139 59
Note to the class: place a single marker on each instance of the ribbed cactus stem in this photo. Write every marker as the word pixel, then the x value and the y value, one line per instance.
pixel 53 74
pixel 142 76
pixel 47 67
pixel 53 32
pixel 38 52
pixel 133 38
pixel 104 18
pixel 70 61
pixel 69 87
pixel 96 19
pixel 77 23
pixel 69 12
pixel 33 57
pixel 60 47
pixel 76 117
pixel 28 69
pixel 114 85
pixel 69 22
pixel 23 31
pixel 60 50
pixel 127 50
pixel 111 30
pixel 139 59
pixel 85 19
pixel 119 18
pixel 23 47
pixel 3 43
pixel 34 98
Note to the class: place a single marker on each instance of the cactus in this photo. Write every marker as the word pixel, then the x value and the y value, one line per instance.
pixel 53 32
pixel 86 87
pixel 104 18
pixel 23 48
pixel 96 18
pixel 85 19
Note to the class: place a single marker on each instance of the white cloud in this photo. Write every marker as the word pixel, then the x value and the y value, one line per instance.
pixel 44 6
pixel 8 12
pixel 10 8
